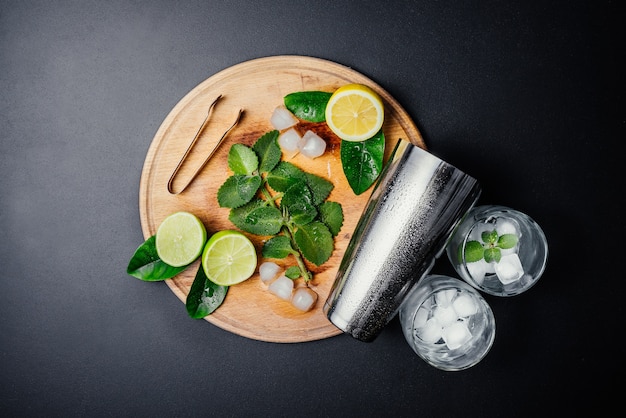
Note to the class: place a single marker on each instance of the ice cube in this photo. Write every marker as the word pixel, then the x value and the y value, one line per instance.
pixel 282 118
pixel 268 270
pixel 464 305
pixel 509 269
pixel 421 316
pixel 456 335
pixel 430 332
pixel 282 287
pixel 507 226
pixel 311 145
pixel 288 142
pixel 444 297
pixel 445 315
pixel 477 270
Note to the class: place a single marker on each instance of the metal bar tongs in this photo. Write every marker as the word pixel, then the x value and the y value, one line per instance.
pixel 193 142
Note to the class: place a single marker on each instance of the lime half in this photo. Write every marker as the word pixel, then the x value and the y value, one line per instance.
pixel 229 258
pixel 180 239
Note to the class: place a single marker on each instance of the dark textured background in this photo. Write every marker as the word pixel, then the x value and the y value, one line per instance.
pixel 525 96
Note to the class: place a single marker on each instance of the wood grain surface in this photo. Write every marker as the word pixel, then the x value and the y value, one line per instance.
pixel 257 87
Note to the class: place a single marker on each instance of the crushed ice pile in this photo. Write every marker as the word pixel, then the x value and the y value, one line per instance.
pixel 444 317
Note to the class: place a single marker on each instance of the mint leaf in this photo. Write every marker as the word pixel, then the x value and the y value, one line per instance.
pixel 146 265
pixel 362 161
pixel 227 194
pixel 238 190
pixel 242 159
pixel 297 192
pixel 506 241
pixel 204 296
pixel 277 247
pixel 493 255
pixel 247 186
pixel 264 220
pixel 238 215
pixel 331 214
pixel 285 175
pixel 320 187
pixel 473 252
pixel 268 150
pixel 489 237
pixel 308 105
pixel 315 242
pixel 257 218
pixel 302 213
pixel 298 200
pixel 293 272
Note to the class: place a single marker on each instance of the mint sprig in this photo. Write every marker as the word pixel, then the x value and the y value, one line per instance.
pixel 490 248
pixel 269 197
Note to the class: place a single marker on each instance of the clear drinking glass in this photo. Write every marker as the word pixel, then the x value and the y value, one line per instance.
pixel 447 323
pixel 498 250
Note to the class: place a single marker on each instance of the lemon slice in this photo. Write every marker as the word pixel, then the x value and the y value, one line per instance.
pixel 355 112
pixel 229 258
pixel 180 239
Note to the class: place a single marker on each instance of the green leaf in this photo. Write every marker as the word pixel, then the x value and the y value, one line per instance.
pixel 277 247
pixel 489 237
pixel 298 200
pixel 506 241
pixel 473 252
pixel 285 175
pixel 302 213
pixel 238 190
pixel 242 159
pixel 297 192
pixel 331 214
pixel 268 150
pixel 293 272
pixel 204 296
pixel 257 218
pixel 308 105
pixel 146 265
pixel 315 242
pixel 493 255
pixel 362 161
pixel 320 187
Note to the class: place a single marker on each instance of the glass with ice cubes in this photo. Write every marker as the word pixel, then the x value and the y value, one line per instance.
pixel 498 250
pixel 447 323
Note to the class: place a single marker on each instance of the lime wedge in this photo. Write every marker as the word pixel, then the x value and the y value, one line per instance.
pixel 229 258
pixel 180 239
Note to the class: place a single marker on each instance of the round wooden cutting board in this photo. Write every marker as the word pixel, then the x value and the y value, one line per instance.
pixel 257 87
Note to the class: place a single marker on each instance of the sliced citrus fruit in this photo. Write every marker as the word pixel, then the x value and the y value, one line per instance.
pixel 180 239
pixel 355 112
pixel 229 257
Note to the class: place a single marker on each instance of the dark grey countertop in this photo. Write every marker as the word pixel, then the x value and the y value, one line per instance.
pixel 527 98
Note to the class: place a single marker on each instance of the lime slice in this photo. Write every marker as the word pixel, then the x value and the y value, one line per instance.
pixel 355 112
pixel 180 239
pixel 229 258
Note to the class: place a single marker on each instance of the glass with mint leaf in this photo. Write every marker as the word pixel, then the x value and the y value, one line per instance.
pixel 498 250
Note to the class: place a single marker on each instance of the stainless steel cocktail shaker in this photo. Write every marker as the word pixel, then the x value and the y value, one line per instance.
pixel 414 208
